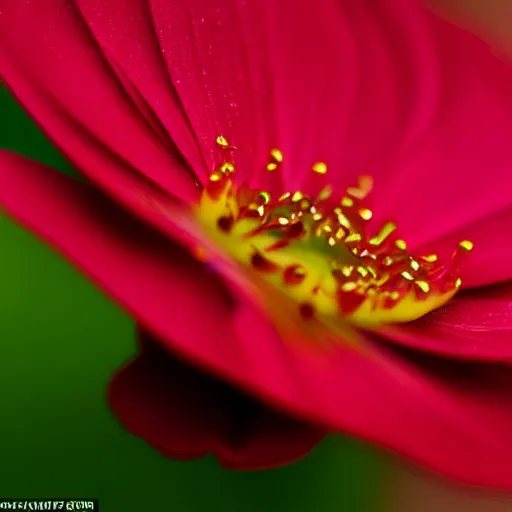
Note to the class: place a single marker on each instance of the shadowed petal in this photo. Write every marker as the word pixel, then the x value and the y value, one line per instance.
pixel 476 324
pixel 186 414
pixel 55 68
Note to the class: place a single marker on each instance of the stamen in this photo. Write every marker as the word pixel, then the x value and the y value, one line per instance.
pixel 322 255
pixel 320 167
pixel 277 156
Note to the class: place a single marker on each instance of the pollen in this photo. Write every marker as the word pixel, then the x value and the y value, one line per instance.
pixel 222 141
pixel 319 251
pixel 320 167
pixel 277 155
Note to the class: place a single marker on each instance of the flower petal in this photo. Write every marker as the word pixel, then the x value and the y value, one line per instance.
pixel 456 178
pixel 489 261
pixel 117 251
pixel 476 324
pixel 130 45
pixel 455 418
pixel 277 74
pixel 51 62
pixel 186 414
pixel 251 71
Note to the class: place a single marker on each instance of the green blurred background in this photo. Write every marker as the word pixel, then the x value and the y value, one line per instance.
pixel 61 340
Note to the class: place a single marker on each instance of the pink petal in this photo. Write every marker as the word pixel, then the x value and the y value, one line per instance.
pixel 130 45
pixel 489 262
pixel 55 68
pixel 454 183
pixel 435 132
pixel 476 324
pixel 455 418
pixel 186 414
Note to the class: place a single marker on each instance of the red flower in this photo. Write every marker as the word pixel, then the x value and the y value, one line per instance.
pixel 289 298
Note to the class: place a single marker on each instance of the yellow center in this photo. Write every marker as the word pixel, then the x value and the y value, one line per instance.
pixel 317 252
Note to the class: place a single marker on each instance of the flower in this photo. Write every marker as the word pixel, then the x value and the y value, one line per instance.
pixel 235 152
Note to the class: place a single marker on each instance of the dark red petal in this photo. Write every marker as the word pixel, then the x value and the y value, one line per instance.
pixel 476 324
pixel 186 414
pixel 50 60
pixel 130 44
pixel 459 427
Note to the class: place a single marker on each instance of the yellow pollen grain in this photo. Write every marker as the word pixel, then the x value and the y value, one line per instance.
pixel 222 141
pixel 354 237
pixel 347 270
pixel 423 286
pixel 297 196
pixel 261 210
pixel 362 271
pixel 340 233
pixel 319 167
pixel 277 155
pixel 350 286
pixel 388 260
pixel 317 216
pixel 364 188
pixel 271 167
pixel 325 193
pixel 372 272
pixel 284 197
pixel 331 241
pixel 458 282
pixel 415 265
pixel 384 233
pixel 216 176
pixel 265 197
pixel 283 221
pixel 365 213
pixel 407 275
pixel 400 244
pixel 227 167
pixel 431 258
pixel 467 245
pixel 344 221
pixel 394 295
pixel 347 202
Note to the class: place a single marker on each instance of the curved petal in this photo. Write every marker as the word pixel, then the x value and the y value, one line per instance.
pixel 278 74
pixel 434 133
pixel 476 324
pixel 186 414
pixel 130 45
pixel 50 61
pixel 455 418
pixel 489 261
pixel 251 71
pixel 455 180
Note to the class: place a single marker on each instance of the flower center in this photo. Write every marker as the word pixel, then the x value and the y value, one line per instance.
pixel 319 253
